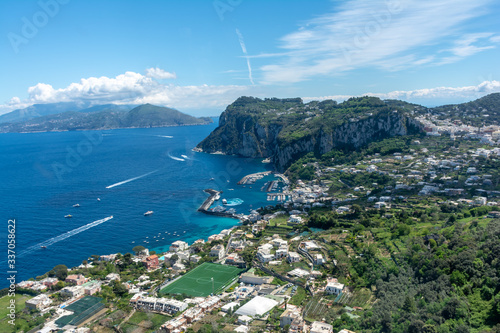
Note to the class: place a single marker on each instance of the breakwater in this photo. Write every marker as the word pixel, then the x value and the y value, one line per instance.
pixel 205 206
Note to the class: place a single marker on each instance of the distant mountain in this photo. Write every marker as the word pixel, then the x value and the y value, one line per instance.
pixel 140 117
pixel 40 110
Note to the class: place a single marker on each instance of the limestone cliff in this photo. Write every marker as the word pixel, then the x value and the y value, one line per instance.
pixel 285 130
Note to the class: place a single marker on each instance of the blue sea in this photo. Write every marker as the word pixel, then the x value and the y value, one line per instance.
pixel 120 173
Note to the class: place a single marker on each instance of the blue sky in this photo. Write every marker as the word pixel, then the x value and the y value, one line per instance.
pixel 198 56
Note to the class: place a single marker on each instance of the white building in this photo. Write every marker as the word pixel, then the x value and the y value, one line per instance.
pixel 293 257
pixel 334 288
pixel 217 251
pixel 178 246
pixel 38 302
pixel 321 327
pixel 318 259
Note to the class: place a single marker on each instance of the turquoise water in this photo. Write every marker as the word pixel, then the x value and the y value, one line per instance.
pixel 119 173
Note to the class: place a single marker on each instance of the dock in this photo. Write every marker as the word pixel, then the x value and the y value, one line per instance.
pixel 250 179
pixel 214 195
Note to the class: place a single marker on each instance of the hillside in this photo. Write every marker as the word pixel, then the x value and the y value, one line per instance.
pixel 482 111
pixel 140 117
pixel 286 129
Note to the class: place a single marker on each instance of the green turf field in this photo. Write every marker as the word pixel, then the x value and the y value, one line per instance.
pixel 198 282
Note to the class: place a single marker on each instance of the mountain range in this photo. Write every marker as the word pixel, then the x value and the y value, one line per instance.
pixel 57 117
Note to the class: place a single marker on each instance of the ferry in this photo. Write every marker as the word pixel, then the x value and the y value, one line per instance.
pixel 76 205
pixel 149 212
pixel 68 216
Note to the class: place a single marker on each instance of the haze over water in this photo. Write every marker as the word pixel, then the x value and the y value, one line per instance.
pixel 131 171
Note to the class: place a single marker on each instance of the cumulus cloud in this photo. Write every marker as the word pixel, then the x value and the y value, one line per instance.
pixel 431 95
pixel 158 73
pixel 130 88
pixel 392 34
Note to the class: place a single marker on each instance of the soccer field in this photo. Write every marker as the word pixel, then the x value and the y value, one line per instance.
pixel 198 282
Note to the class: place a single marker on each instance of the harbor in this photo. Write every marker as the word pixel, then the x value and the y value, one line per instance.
pixel 214 196
pixel 252 178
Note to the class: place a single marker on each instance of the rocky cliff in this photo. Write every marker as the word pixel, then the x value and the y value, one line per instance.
pixel 285 130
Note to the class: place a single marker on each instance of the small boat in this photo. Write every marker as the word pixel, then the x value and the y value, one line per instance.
pixel 98 199
pixel 76 205
pixel 224 201
pixel 43 247
pixel 133 242
pixel 149 212
pixel 68 216
pixel 212 178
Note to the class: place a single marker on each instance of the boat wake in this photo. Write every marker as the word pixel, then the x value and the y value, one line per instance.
pixel 165 136
pixel 131 179
pixel 176 158
pixel 234 202
pixel 68 234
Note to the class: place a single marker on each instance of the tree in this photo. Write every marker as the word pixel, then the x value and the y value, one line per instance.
pixel 138 249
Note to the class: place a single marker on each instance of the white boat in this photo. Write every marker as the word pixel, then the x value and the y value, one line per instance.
pixel 76 205
pixel 98 199
pixel 224 201
pixel 149 212
pixel 68 216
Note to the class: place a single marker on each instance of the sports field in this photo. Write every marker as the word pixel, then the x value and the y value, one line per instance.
pixel 198 282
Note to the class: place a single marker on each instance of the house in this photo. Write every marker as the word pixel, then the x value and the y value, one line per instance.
pixel 294 219
pixel 318 259
pixel 151 262
pixel 480 201
pixel 195 258
pixel 244 320
pixel 235 260
pixel 75 279
pixel 282 252
pixel 381 204
pixel 293 257
pixel 49 282
pixel 112 276
pixel 174 325
pixel 91 287
pixel 217 251
pixel 178 246
pixel 289 315
pixel 346 331
pixel 321 327
pixel 334 288
pixel 73 291
pixel 38 302
pixel 494 214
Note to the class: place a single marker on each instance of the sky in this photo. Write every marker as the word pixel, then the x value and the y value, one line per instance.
pixel 200 55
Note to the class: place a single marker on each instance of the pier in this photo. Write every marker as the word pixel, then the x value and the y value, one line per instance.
pixel 250 179
pixel 214 195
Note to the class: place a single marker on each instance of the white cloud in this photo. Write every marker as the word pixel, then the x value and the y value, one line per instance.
pixel 392 34
pixel 158 73
pixel 427 95
pixel 130 88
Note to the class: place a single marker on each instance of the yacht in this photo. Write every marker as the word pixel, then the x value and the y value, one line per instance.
pixel 68 216
pixel 76 205
pixel 149 212
pixel 224 201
